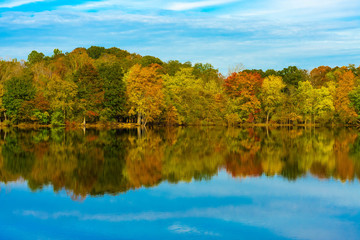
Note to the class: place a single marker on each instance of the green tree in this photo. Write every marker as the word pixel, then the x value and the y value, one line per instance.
pixel 149 60
pixel 95 52
pixel 35 57
pixel 292 75
pixel 354 97
pixel 173 66
pixel 57 53
pixel 17 90
pixel 206 72
pixel 114 90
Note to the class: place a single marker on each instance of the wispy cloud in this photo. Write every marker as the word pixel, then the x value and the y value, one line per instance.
pixel 295 219
pixel 116 4
pixel 184 229
pixel 17 3
pixel 259 33
pixel 183 6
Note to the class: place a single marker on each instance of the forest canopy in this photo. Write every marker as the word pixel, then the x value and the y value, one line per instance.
pixel 102 85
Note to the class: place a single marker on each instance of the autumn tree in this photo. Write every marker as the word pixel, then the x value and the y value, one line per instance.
pixel 345 83
pixel 10 69
pixel 314 104
pixel 77 59
pixel 305 100
pixel 323 104
pixel 61 95
pixel 318 76
pixel 144 90
pixel 90 91
pixel 35 110
pixel 271 95
pixel 194 100
pixel 244 88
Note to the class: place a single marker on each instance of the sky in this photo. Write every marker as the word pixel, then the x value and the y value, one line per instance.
pixel 258 33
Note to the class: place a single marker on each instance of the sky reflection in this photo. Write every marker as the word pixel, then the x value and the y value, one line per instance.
pixel 223 208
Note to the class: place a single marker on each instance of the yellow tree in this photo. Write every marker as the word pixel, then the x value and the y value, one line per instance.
pixel 271 95
pixel 61 94
pixel 78 58
pixel 144 90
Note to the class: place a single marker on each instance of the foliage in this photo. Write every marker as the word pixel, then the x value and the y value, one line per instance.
pixel 318 76
pixel 112 84
pixel 144 92
pixel 345 80
pixel 61 94
pixel 293 75
pixel 244 89
pixel 35 57
pixel 90 92
pixel 194 100
pixel 17 90
pixel 271 95
pixel 114 90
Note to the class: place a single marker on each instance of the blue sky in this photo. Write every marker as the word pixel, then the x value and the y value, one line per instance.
pixel 257 33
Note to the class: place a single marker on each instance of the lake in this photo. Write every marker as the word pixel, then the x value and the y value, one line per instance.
pixel 180 183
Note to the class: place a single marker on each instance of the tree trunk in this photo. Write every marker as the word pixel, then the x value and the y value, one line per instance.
pixel 84 122
pixel 139 132
pixel 139 119
pixel 64 115
pixel 267 118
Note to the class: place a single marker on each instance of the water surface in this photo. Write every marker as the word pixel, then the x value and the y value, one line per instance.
pixel 180 183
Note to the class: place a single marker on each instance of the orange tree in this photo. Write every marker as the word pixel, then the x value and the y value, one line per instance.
pixel 243 88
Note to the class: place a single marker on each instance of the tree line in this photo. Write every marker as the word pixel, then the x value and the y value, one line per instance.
pixel 102 85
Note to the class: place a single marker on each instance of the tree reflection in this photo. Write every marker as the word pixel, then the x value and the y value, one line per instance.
pixel 114 161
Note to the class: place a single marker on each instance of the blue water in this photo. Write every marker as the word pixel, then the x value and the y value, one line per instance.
pixel 220 208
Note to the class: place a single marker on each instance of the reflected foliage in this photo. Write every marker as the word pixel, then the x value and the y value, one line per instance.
pixel 95 162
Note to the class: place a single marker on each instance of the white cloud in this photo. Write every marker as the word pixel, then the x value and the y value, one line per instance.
pixel 17 3
pixel 293 219
pixel 116 4
pixel 183 6
pixel 184 229
pixel 260 34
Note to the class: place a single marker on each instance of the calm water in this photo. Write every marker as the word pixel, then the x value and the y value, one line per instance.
pixel 180 183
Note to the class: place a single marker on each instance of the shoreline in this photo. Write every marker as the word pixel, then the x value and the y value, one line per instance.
pixel 135 125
